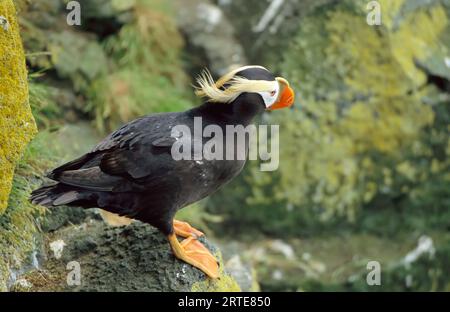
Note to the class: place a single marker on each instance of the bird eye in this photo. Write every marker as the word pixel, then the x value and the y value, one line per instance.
pixel 273 93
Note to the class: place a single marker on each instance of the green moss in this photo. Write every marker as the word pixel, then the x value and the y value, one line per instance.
pixel 357 130
pixel 429 272
pixel 197 215
pixel 368 128
pixel 18 225
pixel 146 73
pixel 225 283
pixel 131 92
pixel 362 137
pixel 67 46
pixel 16 122
pixel 45 110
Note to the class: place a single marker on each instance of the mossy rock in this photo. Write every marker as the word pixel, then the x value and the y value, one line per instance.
pixel 428 272
pixel 19 226
pixel 369 131
pixel 131 258
pixel 16 121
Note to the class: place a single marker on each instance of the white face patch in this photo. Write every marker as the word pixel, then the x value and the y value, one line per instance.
pixel 270 97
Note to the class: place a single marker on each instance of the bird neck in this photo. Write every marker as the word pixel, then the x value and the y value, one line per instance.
pixel 241 111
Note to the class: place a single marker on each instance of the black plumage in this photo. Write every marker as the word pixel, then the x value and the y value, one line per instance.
pixel 132 172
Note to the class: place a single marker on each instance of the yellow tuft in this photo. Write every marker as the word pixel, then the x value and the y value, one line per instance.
pixel 214 92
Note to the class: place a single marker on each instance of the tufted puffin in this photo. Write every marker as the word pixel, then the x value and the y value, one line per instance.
pixel 132 172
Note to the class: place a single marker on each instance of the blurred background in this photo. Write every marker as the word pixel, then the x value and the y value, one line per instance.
pixel 364 155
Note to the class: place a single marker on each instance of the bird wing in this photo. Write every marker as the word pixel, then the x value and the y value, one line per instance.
pixel 134 151
pixel 154 130
pixel 91 178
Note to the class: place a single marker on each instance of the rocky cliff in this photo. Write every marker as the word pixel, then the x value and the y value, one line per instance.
pixel 17 125
pixel 79 252
pixel 39 249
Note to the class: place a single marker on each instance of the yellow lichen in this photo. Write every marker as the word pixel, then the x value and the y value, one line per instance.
pixel 364 107
pixel 224 283
pixel 17 125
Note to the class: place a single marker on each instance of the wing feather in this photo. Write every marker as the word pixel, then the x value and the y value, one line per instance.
pixel 123 157
pixel 91 179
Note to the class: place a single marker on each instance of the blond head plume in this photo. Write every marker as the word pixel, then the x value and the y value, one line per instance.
pixel 213 90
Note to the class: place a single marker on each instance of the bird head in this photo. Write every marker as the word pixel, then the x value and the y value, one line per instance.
pixel 273 92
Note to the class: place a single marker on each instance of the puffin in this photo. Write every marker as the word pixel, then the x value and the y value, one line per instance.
pixel 132 172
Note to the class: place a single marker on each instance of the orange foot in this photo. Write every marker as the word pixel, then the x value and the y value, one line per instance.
pixel 184 229
pixel 195 253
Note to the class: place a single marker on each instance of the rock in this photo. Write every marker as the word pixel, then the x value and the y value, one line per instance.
pixel 21 285
pixel 55 219
pixel 200 21
pixel 243 273
pixel 266 28
pixel 131 258
pixel 16 121
pixel 240 267
pixel 135 257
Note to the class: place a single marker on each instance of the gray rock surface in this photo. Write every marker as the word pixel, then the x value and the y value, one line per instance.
pixel 132 258
pixel 209 34
pixel 136 257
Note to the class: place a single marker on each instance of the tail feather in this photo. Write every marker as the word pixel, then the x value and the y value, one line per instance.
pixel 54 195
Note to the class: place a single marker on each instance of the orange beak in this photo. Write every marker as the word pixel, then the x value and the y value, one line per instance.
pixel 286 98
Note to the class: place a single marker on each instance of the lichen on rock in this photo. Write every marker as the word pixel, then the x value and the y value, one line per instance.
pixel 17 125
pixel 19 234
pixel 129 258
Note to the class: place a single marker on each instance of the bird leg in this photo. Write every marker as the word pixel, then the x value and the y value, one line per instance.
pixel 184 229
pixel 195 253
